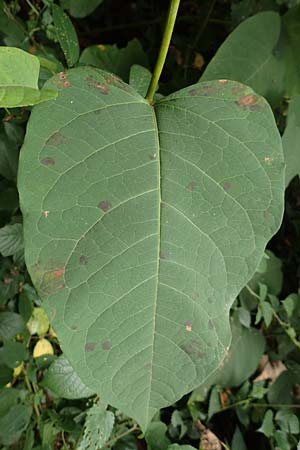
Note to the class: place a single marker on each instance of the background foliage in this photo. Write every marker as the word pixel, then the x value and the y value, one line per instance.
pixel 253 400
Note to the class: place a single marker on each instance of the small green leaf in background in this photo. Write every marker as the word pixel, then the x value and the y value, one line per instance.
pixel 6 375
pixel 116 60
pixel 13 353
pixel 11 324
pixel 267 427
pixel 281 440
pixel 80 8
pixel 247 55
pixel 139 79
pixel 291 139
pixel 156 437
pixel 214 405
pixel 238 442
pixel 97 428
pixel 11 240
pixel 66 35
pixel 287 421
pixel 63 381
pixel 19 73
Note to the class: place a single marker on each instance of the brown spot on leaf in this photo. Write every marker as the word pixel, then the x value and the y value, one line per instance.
pixel 104 205
pixel 194 92
pixel 191 186
pixel 227 185
pixel 195 295
pixel 268 159
pixel 61 286
pixel 48 161
pixel 90 346
pixel 62 75
pixel 193 349
pixel 163 255
pixel 67 84
pixel 46 214
pixel 153 156
pixel 246 100
pixel 83 259
pixel 210 325
pixel 56 139
pixel 106 345
pixel 223 81
pixel 266 214
pixel 103 88
pixel 58 273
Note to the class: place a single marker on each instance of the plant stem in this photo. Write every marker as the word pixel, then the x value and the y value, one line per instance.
pixel 115 439
pixel 172 14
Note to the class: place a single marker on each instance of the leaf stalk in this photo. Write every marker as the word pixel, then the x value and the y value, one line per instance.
pixel 163 51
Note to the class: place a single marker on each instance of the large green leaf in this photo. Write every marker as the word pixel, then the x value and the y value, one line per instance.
pixel 19 73
pixel 291 140
pixel 248 55
pixel 142 225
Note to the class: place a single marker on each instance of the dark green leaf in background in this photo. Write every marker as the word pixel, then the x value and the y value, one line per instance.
pixel 117 60
pixel 80 8
pixel 291 140
pixel 11 239
pixel 11 324
pixel 66 35
pixel 14 423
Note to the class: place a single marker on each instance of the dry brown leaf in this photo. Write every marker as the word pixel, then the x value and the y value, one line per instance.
pixel 209 440
pixel 269 370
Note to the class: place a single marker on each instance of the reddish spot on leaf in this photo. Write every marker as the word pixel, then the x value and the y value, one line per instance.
pixel 104 205
pixel 103 88
pixel 106 345
pixel 48 161
pixel 67 84
pixel 188 327
pixel 191 186
pixel 90 346
pixel 227 185
pixel 58 273
pixel 223 81
pixel 83 259
pixel 62 286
